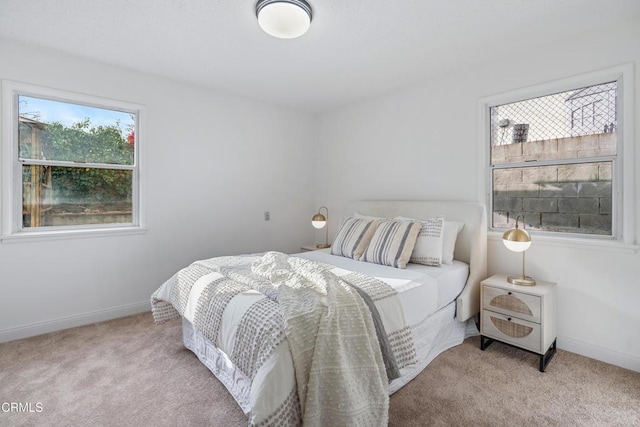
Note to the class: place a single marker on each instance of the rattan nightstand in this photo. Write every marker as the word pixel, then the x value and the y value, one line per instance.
pixel 520 316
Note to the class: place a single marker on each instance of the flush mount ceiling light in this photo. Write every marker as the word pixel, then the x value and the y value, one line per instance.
pixel 285 19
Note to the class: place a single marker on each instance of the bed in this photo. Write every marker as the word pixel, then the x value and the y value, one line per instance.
pixel 248 318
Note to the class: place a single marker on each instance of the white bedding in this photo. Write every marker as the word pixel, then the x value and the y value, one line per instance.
pixel 423 290
pixel 427 295
pixel 258 316
pixel 425 304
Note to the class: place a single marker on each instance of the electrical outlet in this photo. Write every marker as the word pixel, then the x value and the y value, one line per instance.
pixel 267 216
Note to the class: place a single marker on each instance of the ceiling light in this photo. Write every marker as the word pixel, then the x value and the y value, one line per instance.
pixel 285 19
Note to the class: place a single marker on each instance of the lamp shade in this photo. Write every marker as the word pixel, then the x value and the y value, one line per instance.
pixel 516 239
pixel 318 221
pixel 284 19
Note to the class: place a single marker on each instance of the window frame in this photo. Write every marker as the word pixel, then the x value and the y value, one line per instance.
pixel 12 229
pixel 623 185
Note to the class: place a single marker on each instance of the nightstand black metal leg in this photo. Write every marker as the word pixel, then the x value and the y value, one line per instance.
pixel 484 344
pixel 546 358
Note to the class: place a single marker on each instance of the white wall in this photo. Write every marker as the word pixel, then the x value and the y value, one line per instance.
pixel 208 182
pixel 422 143
pixel 212 165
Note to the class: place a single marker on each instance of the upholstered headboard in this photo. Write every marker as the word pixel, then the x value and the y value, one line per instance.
pixel 471 246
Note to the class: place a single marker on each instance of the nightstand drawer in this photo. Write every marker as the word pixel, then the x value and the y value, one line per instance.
pixel 512 303
pixel 511 330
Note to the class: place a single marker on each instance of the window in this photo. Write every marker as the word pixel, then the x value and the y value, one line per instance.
pixel 555 155
pixel 73 163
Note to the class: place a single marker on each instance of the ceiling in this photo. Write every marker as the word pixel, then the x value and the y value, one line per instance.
pixel 355 49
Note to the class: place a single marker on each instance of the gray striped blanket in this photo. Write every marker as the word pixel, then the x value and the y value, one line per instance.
pixel 328 318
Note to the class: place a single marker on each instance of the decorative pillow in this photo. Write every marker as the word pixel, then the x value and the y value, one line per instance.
pixel 392 243
pixel 451 231
pixel 353 237
pixel 428 247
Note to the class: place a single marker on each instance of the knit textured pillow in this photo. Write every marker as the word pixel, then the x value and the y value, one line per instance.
pixel 353 237
pixel 392 243
pixel 428 247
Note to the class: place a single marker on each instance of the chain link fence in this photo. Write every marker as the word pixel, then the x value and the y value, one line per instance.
pixel 585 111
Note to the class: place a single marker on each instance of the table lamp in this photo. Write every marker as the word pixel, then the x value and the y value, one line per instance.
pixel 518 240
pixel 318 221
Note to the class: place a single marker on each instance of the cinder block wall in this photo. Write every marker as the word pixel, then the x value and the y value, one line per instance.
pixel 572 198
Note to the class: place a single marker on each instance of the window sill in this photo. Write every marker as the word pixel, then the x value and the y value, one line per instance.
pixel 38 236
pixel 575 242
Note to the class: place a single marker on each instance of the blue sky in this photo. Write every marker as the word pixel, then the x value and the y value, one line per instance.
pixel 67 113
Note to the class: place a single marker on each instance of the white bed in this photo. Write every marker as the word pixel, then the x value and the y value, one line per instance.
pixel 438 303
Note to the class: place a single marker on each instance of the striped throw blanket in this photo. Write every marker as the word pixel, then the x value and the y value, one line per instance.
pixel 328 318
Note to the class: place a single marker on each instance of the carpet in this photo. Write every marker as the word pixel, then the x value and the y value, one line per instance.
pixel 130 372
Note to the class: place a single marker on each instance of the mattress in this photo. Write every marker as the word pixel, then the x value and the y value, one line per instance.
pixel 423 290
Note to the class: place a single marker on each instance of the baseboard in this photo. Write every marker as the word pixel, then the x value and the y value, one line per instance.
pixel 72 321
pixel 599 353
pixel 565 343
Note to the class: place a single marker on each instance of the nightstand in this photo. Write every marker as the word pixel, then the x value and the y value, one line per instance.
pixel 310 248
pixel 520 316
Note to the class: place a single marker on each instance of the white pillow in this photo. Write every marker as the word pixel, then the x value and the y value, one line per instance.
pixel 451 231
pixel 362 216
pixel 428 247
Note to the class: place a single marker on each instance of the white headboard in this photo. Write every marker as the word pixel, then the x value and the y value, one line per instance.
pixel 471 246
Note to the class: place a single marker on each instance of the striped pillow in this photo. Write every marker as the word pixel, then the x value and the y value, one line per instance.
pixel 392 243
pixel 353 237
pixel 428 248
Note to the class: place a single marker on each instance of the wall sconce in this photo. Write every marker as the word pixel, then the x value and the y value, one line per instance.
pixel 518 240
pixel 318 221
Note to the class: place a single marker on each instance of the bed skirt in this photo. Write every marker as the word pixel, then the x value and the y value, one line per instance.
pixel 435 334
pixel 238 384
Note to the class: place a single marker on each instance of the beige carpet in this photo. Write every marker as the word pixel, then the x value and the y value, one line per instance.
pixel 129 372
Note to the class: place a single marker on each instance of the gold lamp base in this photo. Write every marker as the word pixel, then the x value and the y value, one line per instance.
pixel 521 281
pixel 322 246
